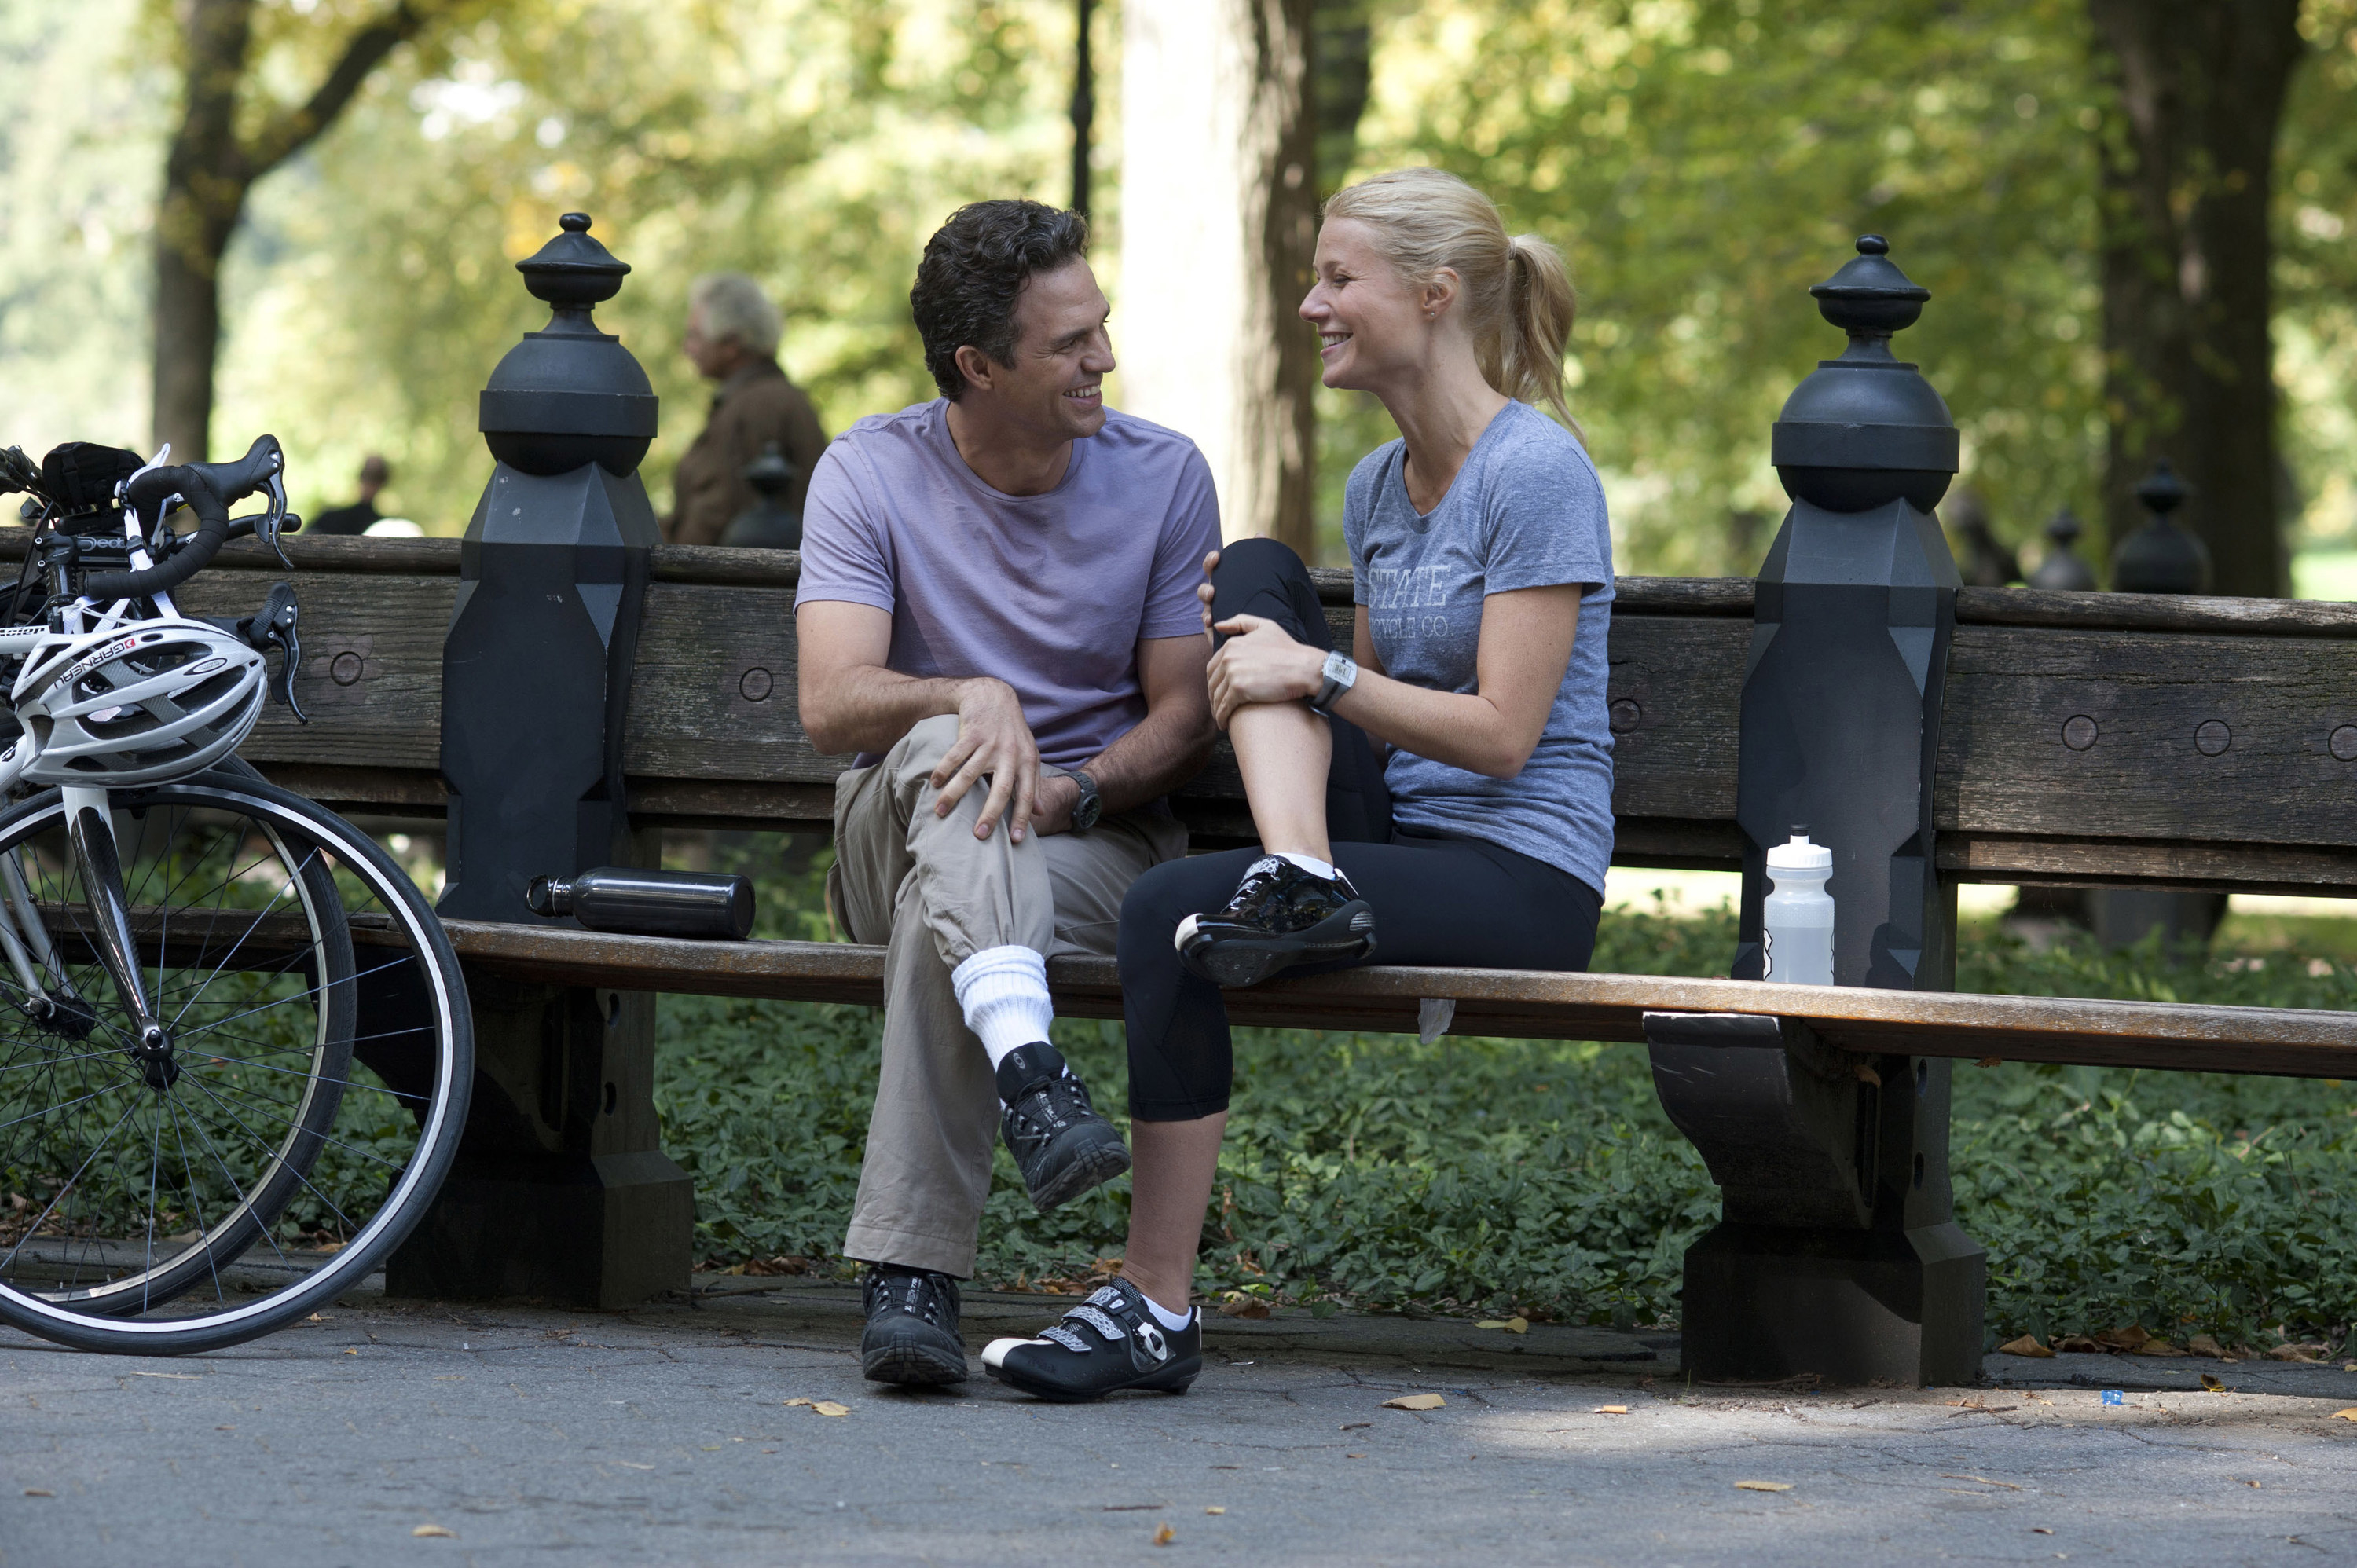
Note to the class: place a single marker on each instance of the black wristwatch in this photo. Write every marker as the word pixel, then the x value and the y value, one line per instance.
pixel 1088 808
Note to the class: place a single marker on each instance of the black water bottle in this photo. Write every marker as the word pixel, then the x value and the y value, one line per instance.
pixel 650 903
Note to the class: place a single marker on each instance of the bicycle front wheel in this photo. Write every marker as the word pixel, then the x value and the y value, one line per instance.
pixel 311 1101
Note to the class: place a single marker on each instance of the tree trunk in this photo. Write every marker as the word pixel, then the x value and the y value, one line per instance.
pixel 2188 167
pixel 205 182
pixel 206 173
pixel 1219 213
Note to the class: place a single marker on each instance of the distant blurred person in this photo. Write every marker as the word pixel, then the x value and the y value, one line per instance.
pixel 732 338
pixel 356 517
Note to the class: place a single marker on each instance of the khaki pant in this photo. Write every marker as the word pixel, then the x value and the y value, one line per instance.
pixel 935 896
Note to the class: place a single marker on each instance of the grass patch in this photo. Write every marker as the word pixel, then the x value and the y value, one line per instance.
pixel 1483 1175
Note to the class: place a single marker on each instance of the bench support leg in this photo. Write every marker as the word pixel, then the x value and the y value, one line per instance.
pixel 562 1190
pixel 1838 1254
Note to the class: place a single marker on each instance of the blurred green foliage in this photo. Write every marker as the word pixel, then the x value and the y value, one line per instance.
pixel 1484 1175
pixel 1701 161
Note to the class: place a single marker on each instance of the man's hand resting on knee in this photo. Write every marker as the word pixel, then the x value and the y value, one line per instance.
pixel 993 740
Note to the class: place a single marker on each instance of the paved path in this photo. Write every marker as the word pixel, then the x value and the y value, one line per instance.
pixel 663 1436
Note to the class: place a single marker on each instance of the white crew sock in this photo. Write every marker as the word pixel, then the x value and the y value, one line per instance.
pixel 1309 864
pixel 1173 1321
pixel 1003 994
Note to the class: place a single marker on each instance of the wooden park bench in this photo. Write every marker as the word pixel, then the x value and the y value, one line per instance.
pixel 2088 739
pixel 559 691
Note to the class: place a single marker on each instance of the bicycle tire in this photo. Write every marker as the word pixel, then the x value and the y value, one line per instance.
pixel 420 1071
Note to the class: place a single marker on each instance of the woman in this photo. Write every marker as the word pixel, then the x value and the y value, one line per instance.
pixel 1482 569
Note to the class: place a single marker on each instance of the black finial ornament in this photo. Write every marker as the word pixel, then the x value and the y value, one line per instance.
pixel 769 523
pixel 2161 558
pixel 573 272
pixel 569 395
pixel 2062 569
pixel 1866 430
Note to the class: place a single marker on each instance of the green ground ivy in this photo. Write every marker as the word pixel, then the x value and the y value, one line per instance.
pixel 1482 1174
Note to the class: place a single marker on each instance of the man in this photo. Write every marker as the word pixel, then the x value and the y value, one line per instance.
pixel 732 339
pixel 997 611
pixel 355 518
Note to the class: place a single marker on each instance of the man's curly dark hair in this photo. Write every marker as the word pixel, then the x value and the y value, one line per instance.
pixel 974 271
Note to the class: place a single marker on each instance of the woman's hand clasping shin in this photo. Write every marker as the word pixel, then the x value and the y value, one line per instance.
pixel 1260 664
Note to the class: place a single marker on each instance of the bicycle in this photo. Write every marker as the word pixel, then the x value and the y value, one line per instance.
pixel 235 1047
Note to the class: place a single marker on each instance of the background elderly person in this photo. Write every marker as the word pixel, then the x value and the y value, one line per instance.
pixel 732 338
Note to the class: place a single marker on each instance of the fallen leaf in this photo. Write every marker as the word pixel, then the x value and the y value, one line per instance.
pixel 2077 1344
pixel 2040 1530
pixel 1990 1062
pixel 712 1448
pixel 1491 1322
pixel 2305 1354
pixel 350 1352
pixel 1416 1402
pixel 2161 1348
pixel 828 1407
pixel 38 1492
pixel 1867 1074
pixel 2129 1336
pixel 1613 1410
pixel 1165 1536
pixel 315 1318
pixel 2348 1414
pixel 2204 1344
pixel 2027 1345
pixel 1244 1306
pixel 435 1530
pixel 1354 1426
pixel 1215 1511
pixel 2211 1384
pixel 1353 1456
pixel 792 1403
pixel 1518 1323
pixel 1763 1486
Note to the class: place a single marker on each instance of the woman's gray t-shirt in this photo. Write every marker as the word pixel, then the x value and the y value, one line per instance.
pixel 1525 511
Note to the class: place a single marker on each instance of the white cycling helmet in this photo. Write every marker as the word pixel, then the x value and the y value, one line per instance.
pixel 153 700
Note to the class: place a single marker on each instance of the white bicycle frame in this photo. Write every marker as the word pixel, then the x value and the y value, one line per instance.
pixel 23 939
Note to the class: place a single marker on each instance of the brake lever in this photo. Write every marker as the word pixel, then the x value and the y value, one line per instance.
pixel 274 627
pixel 267 530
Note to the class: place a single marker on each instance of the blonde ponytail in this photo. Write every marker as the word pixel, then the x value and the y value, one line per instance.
pixel 1516 292
pixel 1538 323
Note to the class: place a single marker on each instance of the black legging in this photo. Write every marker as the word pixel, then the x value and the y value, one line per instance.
pixel 1439 900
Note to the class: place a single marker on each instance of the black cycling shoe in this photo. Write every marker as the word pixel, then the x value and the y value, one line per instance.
pixel 911 1336
pixel 1108 1343
pixel 1281 916
pixel 1060 1143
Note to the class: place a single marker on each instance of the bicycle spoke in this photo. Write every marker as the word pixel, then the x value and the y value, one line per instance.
pixel 71 1181
pixel 196 1202
pixel 327 1138
pixel 257 1139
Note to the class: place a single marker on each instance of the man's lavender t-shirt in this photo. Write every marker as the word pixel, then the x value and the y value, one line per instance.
pixel 1049 593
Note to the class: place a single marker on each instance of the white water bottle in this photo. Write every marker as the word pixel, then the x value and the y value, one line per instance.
pixel 1797 919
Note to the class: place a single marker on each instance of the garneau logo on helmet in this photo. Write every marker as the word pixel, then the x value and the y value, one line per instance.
pixel 116 650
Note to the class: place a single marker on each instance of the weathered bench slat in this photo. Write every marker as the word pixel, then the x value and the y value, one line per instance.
pixel 1520 1003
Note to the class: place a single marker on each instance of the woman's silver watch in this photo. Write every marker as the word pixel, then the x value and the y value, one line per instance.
pixel 1341 675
